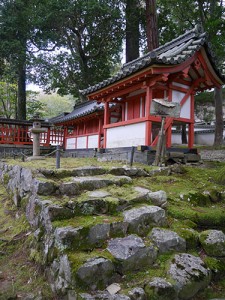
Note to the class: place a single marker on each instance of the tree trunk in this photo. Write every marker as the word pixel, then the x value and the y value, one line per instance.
pixel 151 25
pixel 21 102
pixel 132 30
pixel 21 111
pixel 219 117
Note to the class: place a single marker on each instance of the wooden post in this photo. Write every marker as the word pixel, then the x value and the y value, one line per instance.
pixel 160 145
pixel 148 124
pixel 106 121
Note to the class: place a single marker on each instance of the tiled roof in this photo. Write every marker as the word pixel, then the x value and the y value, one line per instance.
pixel 80 110
pixel 172 53
pixel 56 118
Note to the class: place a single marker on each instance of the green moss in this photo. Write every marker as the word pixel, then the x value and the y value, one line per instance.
pixel 36 256
pixel 86 221
pixel 214 264
pixel 190 236
pixel 220 175
pixel 203 216
pixel 6 179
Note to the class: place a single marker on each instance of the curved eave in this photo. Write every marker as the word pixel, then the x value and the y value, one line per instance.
pixel 79 116
pixel 212 67
pixel 138 79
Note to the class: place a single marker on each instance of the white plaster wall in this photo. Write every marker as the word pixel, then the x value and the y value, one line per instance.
pixel 204 138
pixel 70 143
pixel 186 108
pixel 126 136
pixel 176 139
pixel 93 141
pixel 81 142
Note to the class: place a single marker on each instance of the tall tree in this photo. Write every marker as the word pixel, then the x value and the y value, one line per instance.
pixel 132 29
pixel 151 25
pixel 24 30
pixel 90 37
pixel 14 28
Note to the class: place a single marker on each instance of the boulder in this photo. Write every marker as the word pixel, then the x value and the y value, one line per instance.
pixel 99 194
pixel 128 171
pixel 60 272
pixel 141 219
pixel 167 240
pixel 86 296
pixel 96 273
pixel 118 229
pixel 131 253
pixel 189 274
pixel 213 242
pixel 91 206
pixel 160 289
pixel 88 171
pixel 142 191
pixel 80 184
pixel 57 212
pixel 69 237
pixel 137 294
pixel 158 198
pixel 98 234
pixel 44 187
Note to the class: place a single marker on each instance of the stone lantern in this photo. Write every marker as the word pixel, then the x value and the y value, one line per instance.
pixel 36 130
pixel 163 108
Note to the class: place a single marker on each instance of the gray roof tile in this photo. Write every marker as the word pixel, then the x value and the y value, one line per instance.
pixel 80 110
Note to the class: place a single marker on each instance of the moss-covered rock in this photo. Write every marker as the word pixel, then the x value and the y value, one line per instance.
pixel 160 289
pixel 213 242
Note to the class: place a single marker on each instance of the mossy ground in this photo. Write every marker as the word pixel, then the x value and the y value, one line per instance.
pixel 19 276
pixel 184 212
pixel 69 163
pixel 87 221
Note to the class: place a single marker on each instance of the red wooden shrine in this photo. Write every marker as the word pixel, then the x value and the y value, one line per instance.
pixel 118 113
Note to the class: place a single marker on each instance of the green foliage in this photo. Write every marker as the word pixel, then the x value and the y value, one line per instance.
pixel 8 99
pixel 54 104
pixel 35 106
pixel 90 36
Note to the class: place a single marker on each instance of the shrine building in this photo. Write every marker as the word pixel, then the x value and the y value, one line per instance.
pixel 118 113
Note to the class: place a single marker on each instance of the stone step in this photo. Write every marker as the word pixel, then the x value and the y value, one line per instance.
pixel 102 201
pixel 93 171
pixel 93 231
pixel 87 233
pixel 99 268
pixel 130 257
pixel 77 185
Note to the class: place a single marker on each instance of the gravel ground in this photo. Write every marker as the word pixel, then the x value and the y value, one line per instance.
pixel 215 155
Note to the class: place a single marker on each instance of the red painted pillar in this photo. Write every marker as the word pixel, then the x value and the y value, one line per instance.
pixel 191 134
pixel 99 131
pixel 106 121
pixel 169 130
pixel 148 123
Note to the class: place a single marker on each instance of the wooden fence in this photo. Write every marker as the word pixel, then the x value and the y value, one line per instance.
pixel 17 132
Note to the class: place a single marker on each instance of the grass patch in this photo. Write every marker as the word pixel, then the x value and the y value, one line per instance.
pixel 87 221
pixel 19 276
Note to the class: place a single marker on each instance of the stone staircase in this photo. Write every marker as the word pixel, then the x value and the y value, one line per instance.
pixel 101 237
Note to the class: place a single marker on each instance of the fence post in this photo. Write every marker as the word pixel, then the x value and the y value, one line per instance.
pixel 58 157
pixel 132 156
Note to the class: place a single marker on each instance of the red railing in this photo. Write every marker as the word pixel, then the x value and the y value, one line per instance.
pixel 17 132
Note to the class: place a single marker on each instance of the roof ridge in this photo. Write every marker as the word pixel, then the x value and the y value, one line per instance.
pixel 194 32
pixel 84 103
